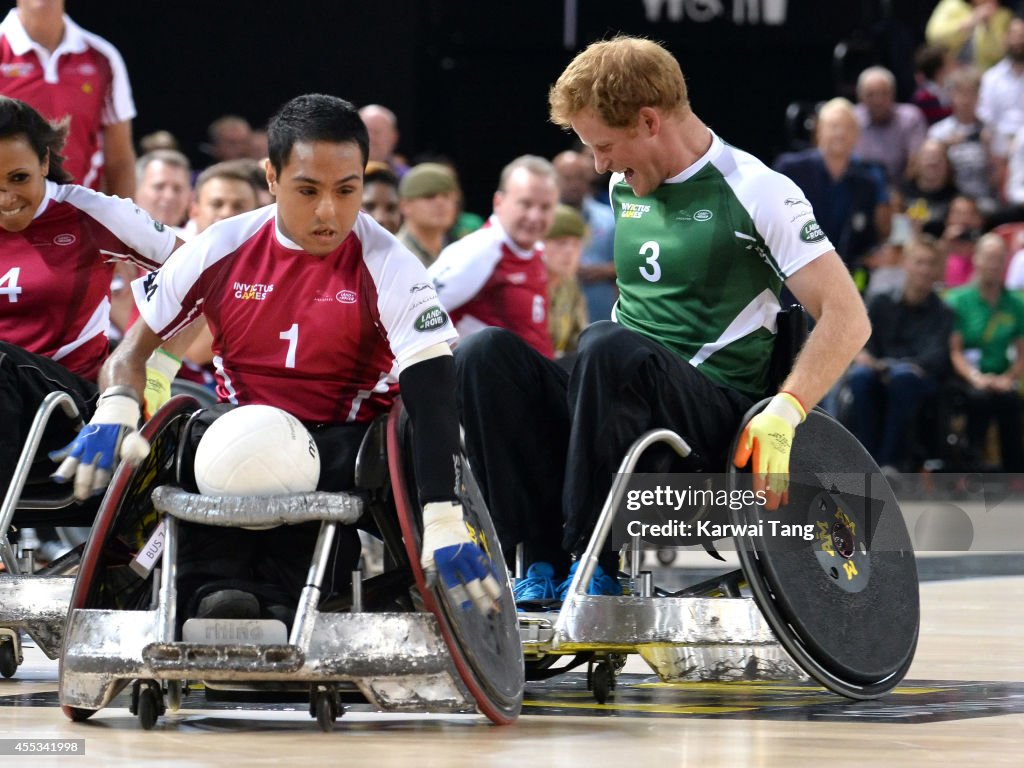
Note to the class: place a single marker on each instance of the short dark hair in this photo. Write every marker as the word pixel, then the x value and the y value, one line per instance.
pixel 314 117
pixel 47 139
pixel 928 60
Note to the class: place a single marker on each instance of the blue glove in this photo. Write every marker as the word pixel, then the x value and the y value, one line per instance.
pixel 108 437
pixel 448 551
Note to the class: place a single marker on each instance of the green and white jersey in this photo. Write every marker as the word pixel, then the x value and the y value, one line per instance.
pixel 701 260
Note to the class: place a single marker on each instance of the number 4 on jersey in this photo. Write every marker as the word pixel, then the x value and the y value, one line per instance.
pixel 9 284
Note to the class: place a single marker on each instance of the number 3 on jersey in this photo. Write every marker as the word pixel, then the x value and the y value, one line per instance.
pixel 292 337
pixel 651 271
pixel 9 284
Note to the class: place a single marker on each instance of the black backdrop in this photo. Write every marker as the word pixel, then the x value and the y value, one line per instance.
pixel 469 78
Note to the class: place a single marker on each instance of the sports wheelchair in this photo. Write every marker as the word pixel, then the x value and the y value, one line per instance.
pixel 35 601
pixel 842 608
pixel 392 640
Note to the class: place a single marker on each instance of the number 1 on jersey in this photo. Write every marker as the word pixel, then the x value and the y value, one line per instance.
pixel 292 337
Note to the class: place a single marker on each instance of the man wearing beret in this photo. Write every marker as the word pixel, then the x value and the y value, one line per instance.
pixel 428 196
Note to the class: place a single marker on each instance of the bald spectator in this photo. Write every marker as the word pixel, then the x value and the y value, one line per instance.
pixel 428 197
pixel 596 273
pixel 382 125
pixel 60 69
pixel 230 138
pixel 929 189
pixel 890 133
pixel 849 197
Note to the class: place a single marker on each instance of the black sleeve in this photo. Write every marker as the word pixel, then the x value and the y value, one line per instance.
pixel 428 391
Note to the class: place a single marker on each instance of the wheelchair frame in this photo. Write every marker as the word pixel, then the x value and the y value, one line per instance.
pixel 34 602
pixel 399 661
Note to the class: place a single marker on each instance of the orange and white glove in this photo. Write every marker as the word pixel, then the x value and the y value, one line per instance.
pixel 769 437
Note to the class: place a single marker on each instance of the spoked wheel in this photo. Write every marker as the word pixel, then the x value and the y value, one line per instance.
pixel 486 650
pixel 124 523
pixel 843 600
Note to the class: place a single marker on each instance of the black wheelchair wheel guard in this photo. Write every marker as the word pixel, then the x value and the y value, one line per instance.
pixel 845 605
pixel 125 521
pixel 486 650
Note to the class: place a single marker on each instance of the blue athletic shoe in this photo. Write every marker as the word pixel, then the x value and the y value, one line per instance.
pixel 539 584
pixel 600 584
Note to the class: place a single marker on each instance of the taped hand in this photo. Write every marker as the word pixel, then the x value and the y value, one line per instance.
pixel 161 368
pixel 448 551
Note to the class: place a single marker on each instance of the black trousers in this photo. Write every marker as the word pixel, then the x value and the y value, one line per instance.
pixel 545 445
pixel 25 381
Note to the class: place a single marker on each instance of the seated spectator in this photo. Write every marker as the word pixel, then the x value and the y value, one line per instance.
pixel 230 138
pixel 973 31
pixel 597 265
pixel 382 125
pixel 428 197
pixel 380 196
pixel 496 275
pixel 932 66
pixel 960 234
pixel 965 140
pixel 163 186
pixel 890 133
pixel 849 197
pixel 929 188
pixel 905 360
pixel 1001 98
pixel 989 321
pixel 1015 274
pixel 158 140
pixel 567 307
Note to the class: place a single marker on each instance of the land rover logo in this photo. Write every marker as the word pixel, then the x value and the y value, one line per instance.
pixel 702 215
pixel 433 318
pixel 811 232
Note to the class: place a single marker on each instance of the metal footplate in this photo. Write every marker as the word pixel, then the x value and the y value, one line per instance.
pixel 37 606
pixel 683 639
pixel 399 661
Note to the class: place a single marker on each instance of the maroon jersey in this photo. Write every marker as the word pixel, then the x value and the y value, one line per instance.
pixel 55 275
pixel 322 337
pixel 84 77
pixel 485 279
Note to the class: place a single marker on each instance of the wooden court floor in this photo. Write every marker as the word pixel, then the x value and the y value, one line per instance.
pixel 961 704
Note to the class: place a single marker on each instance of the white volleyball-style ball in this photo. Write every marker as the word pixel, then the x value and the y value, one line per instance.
pixel 256 450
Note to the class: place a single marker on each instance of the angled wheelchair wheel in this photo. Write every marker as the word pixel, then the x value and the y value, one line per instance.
pixel 844 604
pixel 125 521
pixel 486 650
